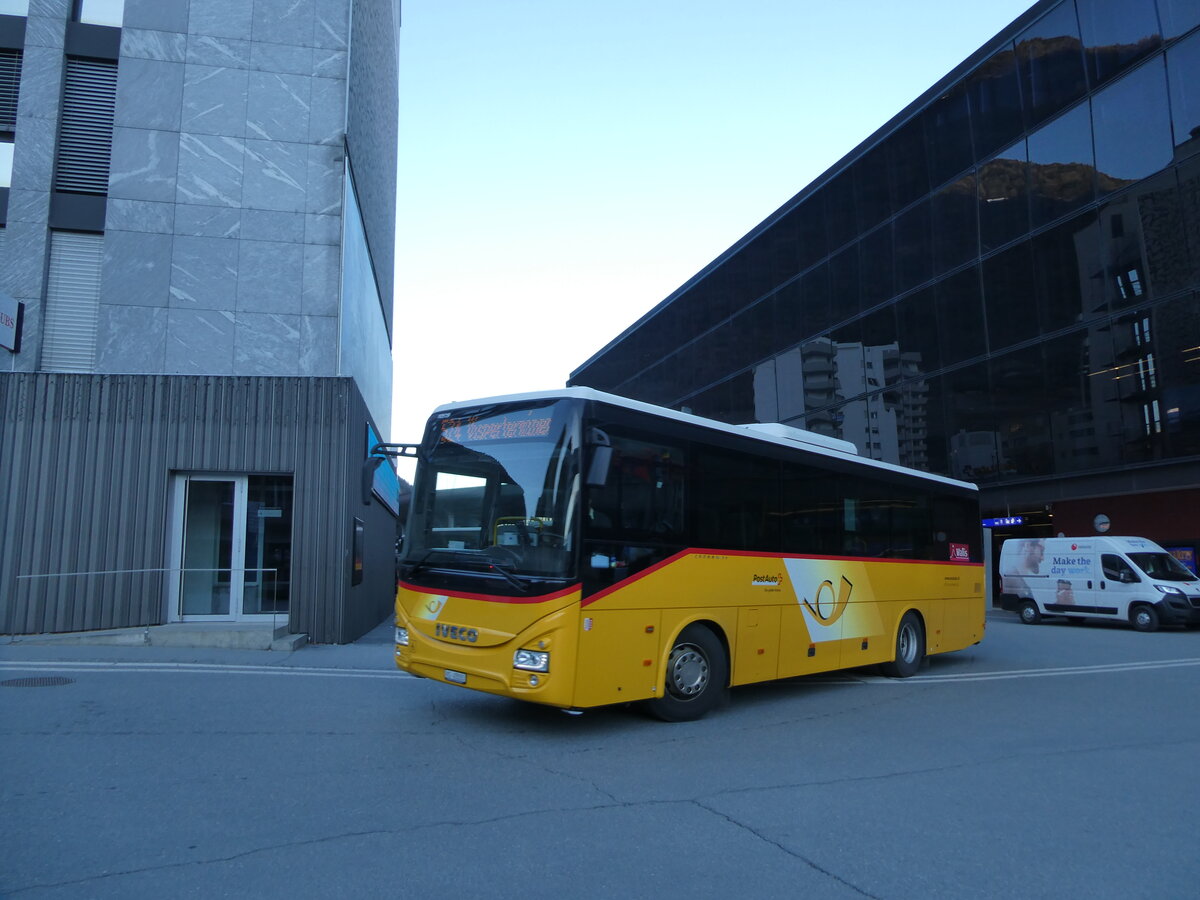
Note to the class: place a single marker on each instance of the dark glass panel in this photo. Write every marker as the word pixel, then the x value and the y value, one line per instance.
pixel 1132 127
pixel 1178 16
pixel 1061 166
pixel 879 329
pixel 656 385
pixel 789 317
pixel 959 311
pixel 1004 197
pixel 755 335
pixel 1009 297
pixel 844 284
pixel 934 428
pixel 1116 34
pixel 970 423
pixel 913 235
pixel 812 228
pixel 784 248
pixel 871 188
pixel 1067 394
pixel 955 231
pixel 1050 61
pixel 1022 418
pixel 1183 72
pixel 813 514
pixel 816 314
pixel 740 398
pixel 949 124
pixel 1065 260
pixel 1189 200
pixel 840 211
pixel 1177 326
pixel 908 162
pixel 995 97
pixel 917 330
pixel 875 256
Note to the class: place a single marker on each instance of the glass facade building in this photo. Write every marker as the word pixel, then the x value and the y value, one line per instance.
pixel 1001 284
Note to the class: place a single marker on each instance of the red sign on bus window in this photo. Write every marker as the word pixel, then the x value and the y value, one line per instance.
pixel 960 552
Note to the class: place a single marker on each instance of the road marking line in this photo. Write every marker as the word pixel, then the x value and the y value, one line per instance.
pixel 208 668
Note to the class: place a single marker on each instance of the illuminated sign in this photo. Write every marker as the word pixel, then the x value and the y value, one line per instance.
pixel 1000 523
pixel 477 429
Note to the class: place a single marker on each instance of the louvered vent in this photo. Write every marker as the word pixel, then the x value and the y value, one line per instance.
pixel 72 302
pixel 10 83
pixel 85 144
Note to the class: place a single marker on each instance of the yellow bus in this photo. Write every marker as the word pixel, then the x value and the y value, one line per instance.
pixel 577 549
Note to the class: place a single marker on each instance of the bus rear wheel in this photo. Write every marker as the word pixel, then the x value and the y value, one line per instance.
pixel 696 677
pixel 910 648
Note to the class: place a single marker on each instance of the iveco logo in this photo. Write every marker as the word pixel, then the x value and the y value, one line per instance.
pixel 456 633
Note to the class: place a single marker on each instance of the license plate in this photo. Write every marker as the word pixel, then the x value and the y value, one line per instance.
pixel 456 677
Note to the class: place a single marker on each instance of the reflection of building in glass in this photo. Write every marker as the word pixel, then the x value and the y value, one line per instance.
pixel 1002 283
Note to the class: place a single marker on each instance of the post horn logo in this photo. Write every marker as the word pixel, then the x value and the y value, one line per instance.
pixel 828 607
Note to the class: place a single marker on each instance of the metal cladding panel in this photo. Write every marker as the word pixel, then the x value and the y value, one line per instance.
pixel 87 463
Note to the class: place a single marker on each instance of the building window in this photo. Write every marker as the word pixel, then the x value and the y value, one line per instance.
pixel 85 144
pixel 14 7
pixel 72 302
pixel 100 12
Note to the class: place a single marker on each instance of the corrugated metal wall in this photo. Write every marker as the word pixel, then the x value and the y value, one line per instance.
pixel 86 463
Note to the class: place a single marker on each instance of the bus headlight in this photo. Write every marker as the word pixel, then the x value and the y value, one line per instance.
pixel 401 636
pixel 532 660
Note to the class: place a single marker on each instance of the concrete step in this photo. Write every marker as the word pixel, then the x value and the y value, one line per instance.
pixel 224 635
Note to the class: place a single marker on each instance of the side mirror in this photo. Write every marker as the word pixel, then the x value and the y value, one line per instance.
pixel 601 448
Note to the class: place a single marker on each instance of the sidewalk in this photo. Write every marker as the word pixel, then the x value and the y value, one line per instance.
pixel 231 643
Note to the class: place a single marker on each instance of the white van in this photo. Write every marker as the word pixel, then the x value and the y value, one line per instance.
pixel 1126 579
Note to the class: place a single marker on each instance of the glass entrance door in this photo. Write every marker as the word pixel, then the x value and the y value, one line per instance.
pixel 232 546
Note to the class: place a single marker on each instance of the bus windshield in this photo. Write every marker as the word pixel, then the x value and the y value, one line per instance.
pixel 497 491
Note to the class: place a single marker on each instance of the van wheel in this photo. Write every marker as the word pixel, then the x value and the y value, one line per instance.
pixel 1030 614
pixel 910 648
pixel 696 678
pixel 1144 618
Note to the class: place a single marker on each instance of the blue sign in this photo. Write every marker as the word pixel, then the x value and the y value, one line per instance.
pixel 1000 523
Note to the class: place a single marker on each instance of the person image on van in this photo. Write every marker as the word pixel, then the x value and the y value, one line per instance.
pixel 1064 593
pixel 1028 561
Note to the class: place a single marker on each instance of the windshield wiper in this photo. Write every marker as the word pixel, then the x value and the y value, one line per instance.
pixel 473 558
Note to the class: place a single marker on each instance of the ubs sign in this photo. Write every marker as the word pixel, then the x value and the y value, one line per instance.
pixel 11 316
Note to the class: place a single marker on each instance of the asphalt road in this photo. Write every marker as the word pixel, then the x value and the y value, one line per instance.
pixel 1049 761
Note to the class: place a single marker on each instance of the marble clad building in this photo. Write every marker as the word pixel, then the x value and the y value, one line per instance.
pixel 198 210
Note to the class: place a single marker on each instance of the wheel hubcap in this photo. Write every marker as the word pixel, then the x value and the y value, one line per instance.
pixel 908 643
pixel 688 671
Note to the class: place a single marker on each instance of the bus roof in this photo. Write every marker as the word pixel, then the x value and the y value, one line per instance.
pixel 770 432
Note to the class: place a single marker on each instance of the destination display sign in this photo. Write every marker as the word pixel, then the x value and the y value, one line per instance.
pixel 478 429
pixel 1000 523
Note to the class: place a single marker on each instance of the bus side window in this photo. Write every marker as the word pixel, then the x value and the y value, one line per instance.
pixel 643 494
pixel 812 514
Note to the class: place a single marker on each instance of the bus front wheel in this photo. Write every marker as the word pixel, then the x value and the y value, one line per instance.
pixel 696 677
pixel 910 648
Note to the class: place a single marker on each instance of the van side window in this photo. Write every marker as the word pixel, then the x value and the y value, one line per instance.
pixel 1116 569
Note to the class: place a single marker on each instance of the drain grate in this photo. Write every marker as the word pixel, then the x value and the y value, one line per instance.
pixel 38 681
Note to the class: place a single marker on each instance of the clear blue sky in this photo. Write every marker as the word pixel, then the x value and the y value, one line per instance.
pixel 566 164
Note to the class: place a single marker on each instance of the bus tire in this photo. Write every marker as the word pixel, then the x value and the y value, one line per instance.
pixel 910 648
pixel 696 677
pixel 1144 617
pixel 1029 612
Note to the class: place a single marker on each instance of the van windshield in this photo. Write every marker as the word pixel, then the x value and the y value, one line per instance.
pixel 1162 566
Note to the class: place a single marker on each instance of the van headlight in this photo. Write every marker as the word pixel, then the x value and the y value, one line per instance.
pixel 532 660
pixel 1173 591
